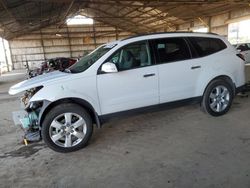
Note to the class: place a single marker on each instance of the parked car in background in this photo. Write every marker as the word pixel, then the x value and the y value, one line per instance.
pixel 152 70
pixel 59 63
pixel 244 49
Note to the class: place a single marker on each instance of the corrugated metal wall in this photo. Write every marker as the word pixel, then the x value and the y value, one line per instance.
pixel 68 41
pixel 218 23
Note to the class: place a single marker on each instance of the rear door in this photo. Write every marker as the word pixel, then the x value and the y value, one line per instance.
pixel 178 73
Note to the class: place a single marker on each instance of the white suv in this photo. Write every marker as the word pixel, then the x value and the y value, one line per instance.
pixel 131 74
pixel 244 49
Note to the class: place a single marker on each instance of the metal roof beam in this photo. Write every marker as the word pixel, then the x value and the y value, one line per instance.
pixel 124 19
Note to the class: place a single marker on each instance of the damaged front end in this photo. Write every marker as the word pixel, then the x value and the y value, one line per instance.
pixel 28 118
pixel 33 103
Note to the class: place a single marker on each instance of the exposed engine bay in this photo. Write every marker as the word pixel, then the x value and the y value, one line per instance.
pixel 27 118
pixel 27 96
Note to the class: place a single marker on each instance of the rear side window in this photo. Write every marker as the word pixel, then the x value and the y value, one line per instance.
pixel 171 49
pixel 206 46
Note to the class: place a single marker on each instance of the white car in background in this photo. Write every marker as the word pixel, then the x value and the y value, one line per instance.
pixel 130 75
pixel 244 49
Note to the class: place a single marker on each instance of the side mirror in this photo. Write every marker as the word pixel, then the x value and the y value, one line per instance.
pixel 109 67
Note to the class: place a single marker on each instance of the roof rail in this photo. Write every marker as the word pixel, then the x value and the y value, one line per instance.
pixel 140 35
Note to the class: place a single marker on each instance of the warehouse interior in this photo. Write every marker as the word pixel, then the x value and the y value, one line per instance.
pixel 175 148
pixel 38 30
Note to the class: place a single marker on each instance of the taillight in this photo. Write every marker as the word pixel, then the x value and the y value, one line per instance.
pixel 241 56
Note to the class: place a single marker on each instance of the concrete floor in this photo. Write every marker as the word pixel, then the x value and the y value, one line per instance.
pixel 182 147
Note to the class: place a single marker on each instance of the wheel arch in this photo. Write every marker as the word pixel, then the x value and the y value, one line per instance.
pixel 226 78
pixel 81 102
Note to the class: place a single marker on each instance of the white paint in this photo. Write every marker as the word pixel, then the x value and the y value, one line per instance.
pixel 114 92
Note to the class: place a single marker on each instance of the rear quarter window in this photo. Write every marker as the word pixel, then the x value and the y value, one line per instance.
pixel 206 46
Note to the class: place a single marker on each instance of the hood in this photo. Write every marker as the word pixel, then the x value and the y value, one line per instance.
pixel 36 81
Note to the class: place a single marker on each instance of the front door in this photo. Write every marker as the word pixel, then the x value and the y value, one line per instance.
pixel 135 84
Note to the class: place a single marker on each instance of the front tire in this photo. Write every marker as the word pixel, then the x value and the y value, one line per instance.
pixel 67 127
pixel 217 98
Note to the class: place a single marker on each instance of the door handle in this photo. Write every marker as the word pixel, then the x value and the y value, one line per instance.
pixel 148 75
pixel 195 67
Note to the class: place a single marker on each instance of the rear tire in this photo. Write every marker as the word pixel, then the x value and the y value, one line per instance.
pixel 217 98
pixel 67 127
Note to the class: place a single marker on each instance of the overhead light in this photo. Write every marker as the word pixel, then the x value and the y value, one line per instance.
pixel 79 20
pixel 58 35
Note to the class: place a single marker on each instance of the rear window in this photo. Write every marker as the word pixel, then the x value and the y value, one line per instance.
pixel 205 46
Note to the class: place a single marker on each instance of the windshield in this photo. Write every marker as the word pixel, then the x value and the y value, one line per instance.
pixel 88 60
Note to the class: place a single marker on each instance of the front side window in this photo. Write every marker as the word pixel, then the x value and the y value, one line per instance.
pixel 88 60
pixel 171 49
pixel 133 55
pixel 206 46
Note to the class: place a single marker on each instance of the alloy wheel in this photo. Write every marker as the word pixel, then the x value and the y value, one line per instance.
pixel 67 130
pixel 219 98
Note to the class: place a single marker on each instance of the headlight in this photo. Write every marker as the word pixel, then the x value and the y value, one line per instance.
pixel 28 94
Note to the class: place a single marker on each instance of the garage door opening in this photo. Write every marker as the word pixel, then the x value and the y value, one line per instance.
pixel 239 32
pixel 5 60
